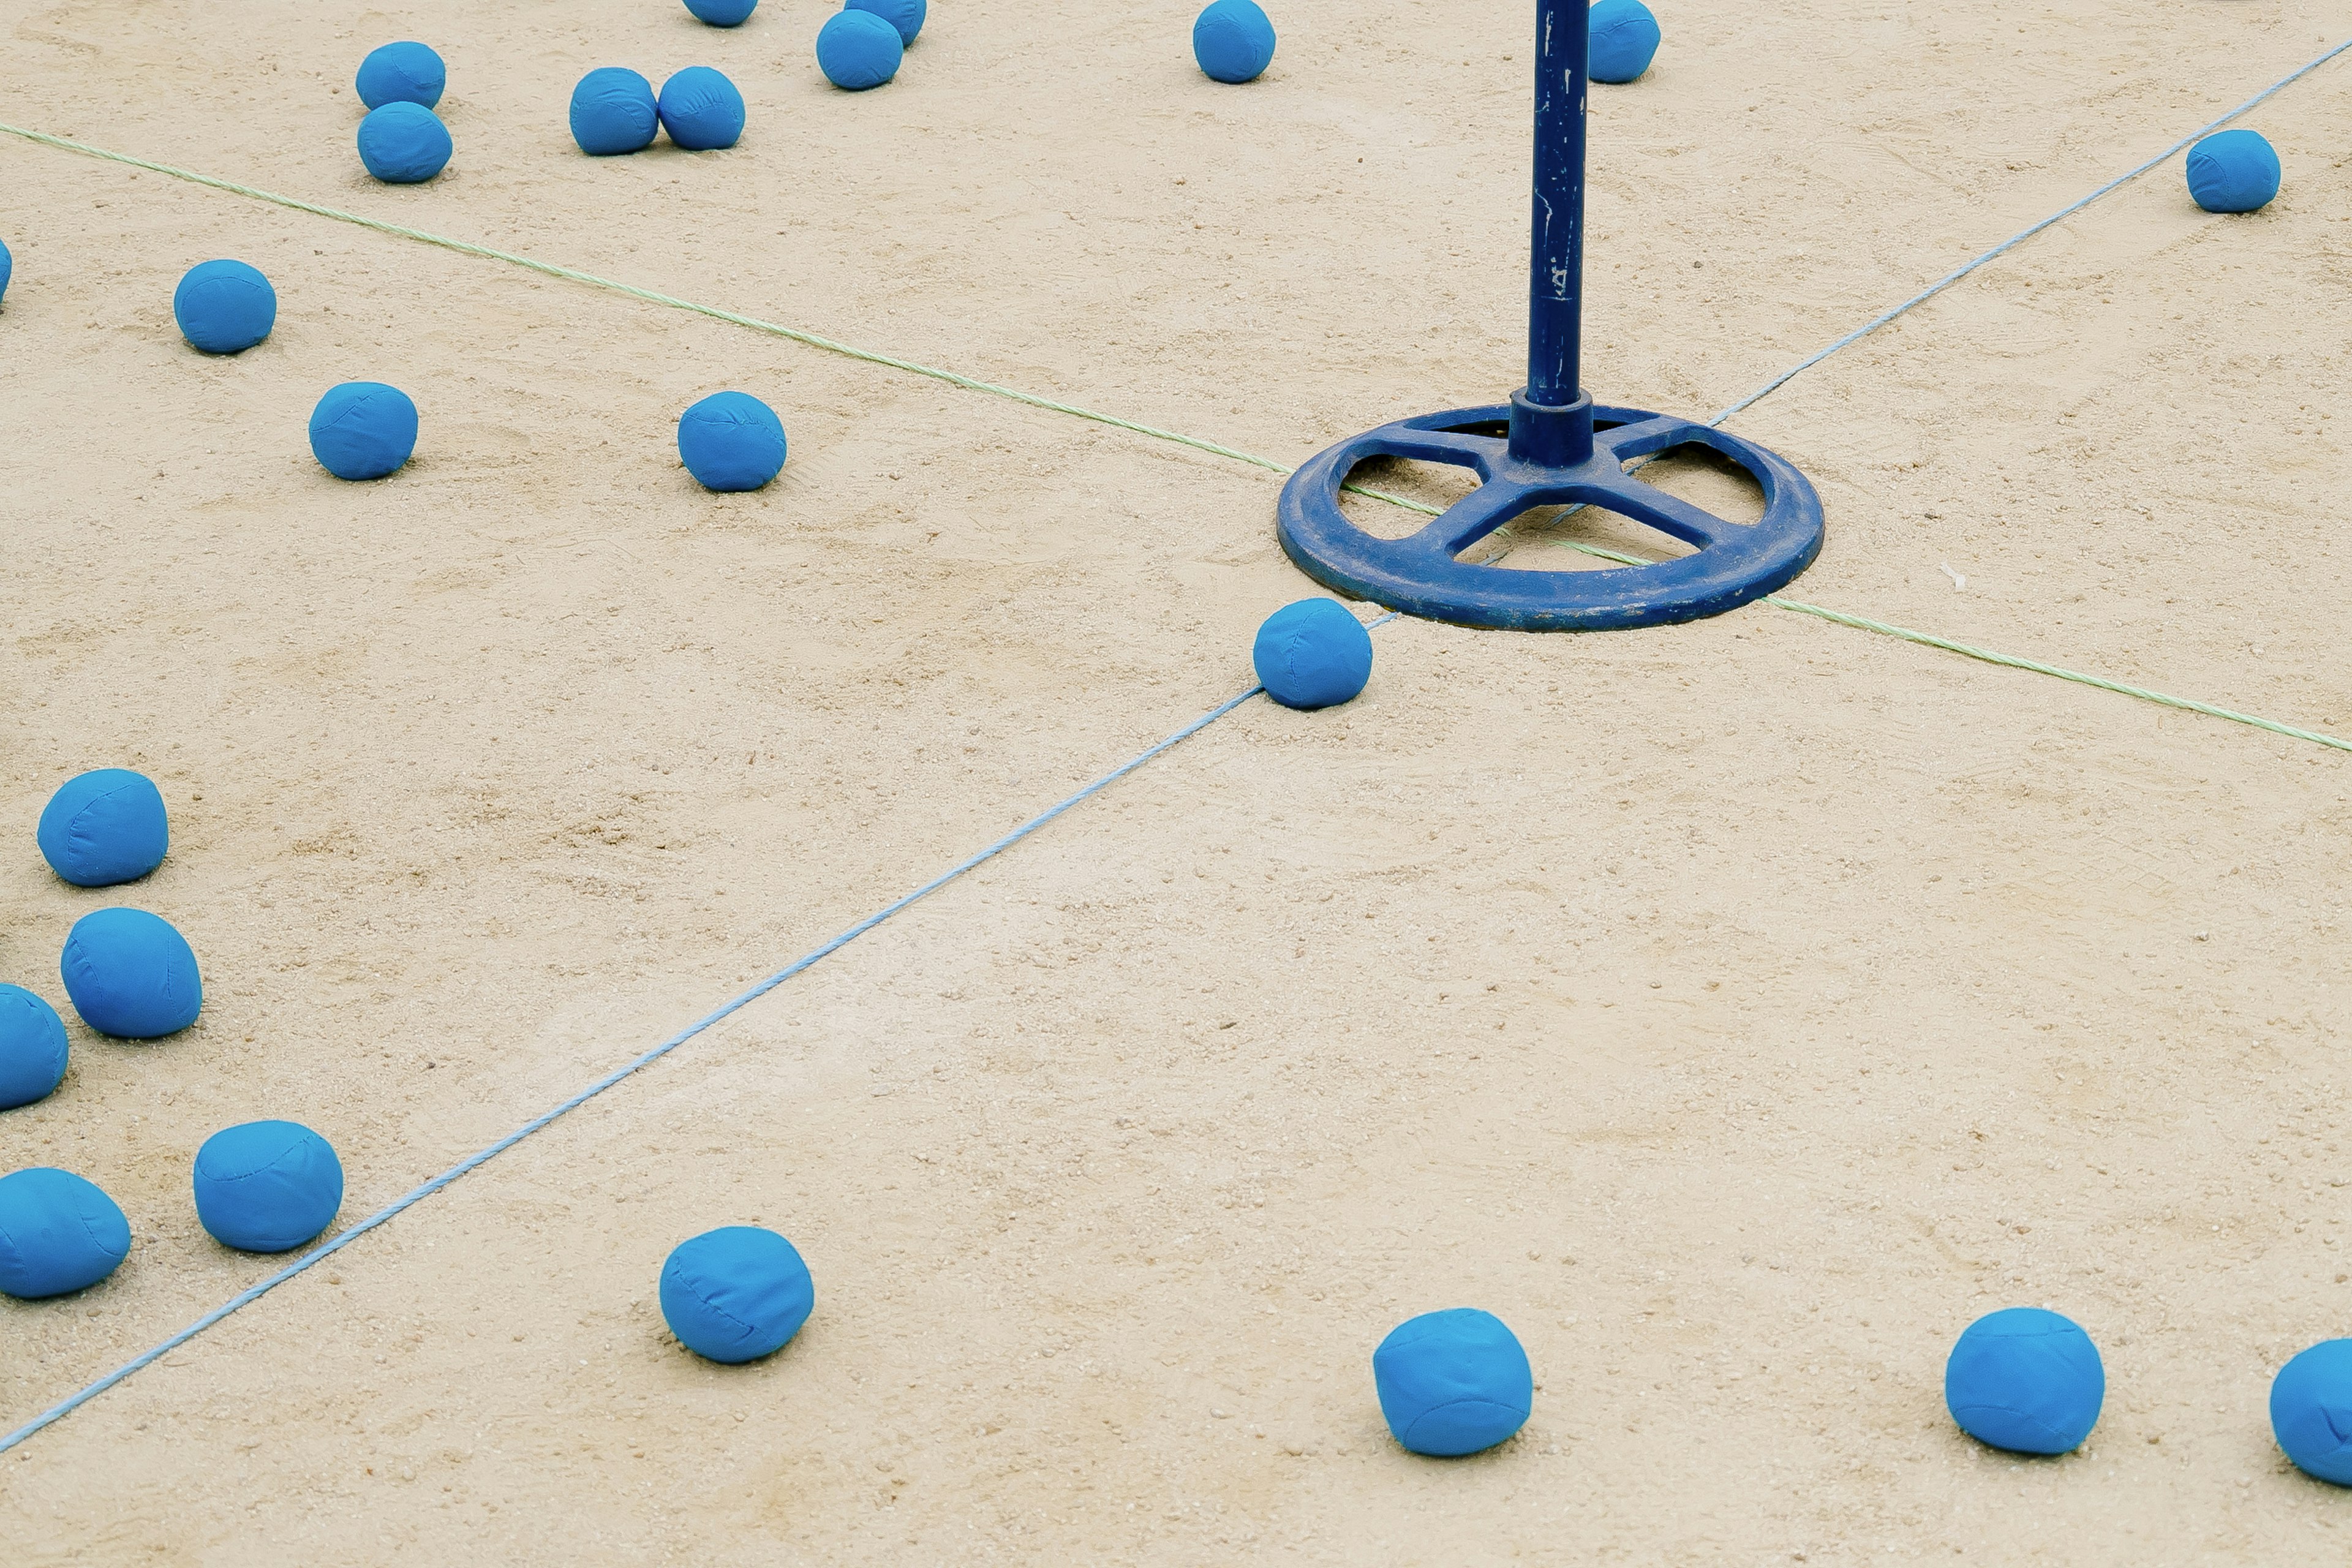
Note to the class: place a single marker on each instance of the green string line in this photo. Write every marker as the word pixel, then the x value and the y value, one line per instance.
pixel 467 247
pixel 2038 667
pixel 2011 661
pixel 654 296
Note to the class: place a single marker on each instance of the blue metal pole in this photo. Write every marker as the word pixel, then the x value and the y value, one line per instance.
pixel 1556 266
pixel 1551 420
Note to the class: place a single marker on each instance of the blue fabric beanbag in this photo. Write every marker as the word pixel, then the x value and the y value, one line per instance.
pixel 1452 1383
pixel 104 827
pixel 57 1233
pixel 723 13
pixel 1232 40
pixel 736 1294
pixel 402 73
pixel 404 144
pixel 2311 1411
pixel 732 441
pixel 701 110
pixel 2233 171
pixel 858 49
pixel 225 307
pixel 266 1187
pixel 612 110
pixel 905 15
pixel 130 975
pixel 1623 40
pixel 1312 654
pixel 32 1047
pixel 362 430
pixel 2025 1380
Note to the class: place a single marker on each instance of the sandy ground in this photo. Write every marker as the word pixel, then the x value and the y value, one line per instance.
pixel 1735 1009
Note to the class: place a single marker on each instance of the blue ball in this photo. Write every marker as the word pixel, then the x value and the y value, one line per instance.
pixel 225 307
pixel 404 144
pixel 2233 171
pixel 612 110
pixel 905 15
pixel 732 441
pixel 130 975
pixel 858 49
pixel 266 1187
pixel 736 1294
pixel 2311 1411
pixel 1452 1383
pixel 723 13
pixel 2025 1380
pixel 32 1047
pixel 1232 40
pixel 57 1233
pixel 7 266
pixel 1623 40
pixel 1312 654
pixel 701 110
pixel 402 73
pixel 362 430
pixel 104 827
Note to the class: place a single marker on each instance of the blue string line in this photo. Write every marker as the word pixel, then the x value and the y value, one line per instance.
pixel 2023 235
pixel 318 1254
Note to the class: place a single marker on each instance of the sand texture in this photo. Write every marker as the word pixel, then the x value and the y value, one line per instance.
pixel 1737 1010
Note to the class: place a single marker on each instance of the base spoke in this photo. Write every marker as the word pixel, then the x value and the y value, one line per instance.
pixel 1642 436
pixel 1457 446
pixel 1646 503
pixel 1474 517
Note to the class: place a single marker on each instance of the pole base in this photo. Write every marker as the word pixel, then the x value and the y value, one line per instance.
pixel 1526 454
pixel 1548 437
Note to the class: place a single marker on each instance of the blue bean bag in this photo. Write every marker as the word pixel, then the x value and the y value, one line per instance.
pixel 1452 1383
pixel 57 1233
pixel 732 441
pixel 32 1047
pixel 736 1294
pixel 404 144
pixel 905 15
pixel 104 827
pixel 266 1187
pixel 2311 1411
pixel 362 430
pixel 2026 1380
pixel 2233 171
pixel 723 13
pixel 130 975
pixel 1232 40
pixel 1312 654
pixel 614 111
pixel 402 73
pixel 7 266
pixel 858 49
pixel 701 110
pixel 225 307
pixel 1623 40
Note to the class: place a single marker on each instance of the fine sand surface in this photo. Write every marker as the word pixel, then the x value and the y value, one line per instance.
pixel 1737 1009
